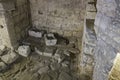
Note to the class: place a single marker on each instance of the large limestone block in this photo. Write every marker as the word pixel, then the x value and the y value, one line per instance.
pixel 36 33
pixel 24 50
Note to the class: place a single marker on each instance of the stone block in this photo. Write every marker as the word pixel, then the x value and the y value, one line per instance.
pixel 36 33
pixel 10 57
pixel 50 39
pixel 43 70
pixel 24 50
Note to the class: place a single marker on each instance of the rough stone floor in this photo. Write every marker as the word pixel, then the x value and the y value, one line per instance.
pixel 45 67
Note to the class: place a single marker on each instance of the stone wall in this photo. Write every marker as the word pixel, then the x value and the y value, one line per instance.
pixel 17 19
pixel 4 35
pixel 107 30
pixel 65 17
pixel 21 18
pixel 88 42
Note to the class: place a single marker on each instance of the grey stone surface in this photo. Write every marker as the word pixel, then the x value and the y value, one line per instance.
pixel 107 10
pixel 107 39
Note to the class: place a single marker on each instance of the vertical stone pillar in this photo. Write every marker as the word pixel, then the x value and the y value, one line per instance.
pixel 4 34
pixel 15 21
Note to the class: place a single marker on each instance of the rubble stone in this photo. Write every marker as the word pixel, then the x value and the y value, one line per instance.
pixel 58 55
pixel 38 51
pixel 53 75
pixel 67 53
pixel 50 39
pixel 74 50
pixel 37 34
pixel 55 66
pixel 43 70
pixel 37 66
pixel 49 51
pixel 45 77
pixel 3 66
pixel 2 47
pixel 64 76
pixel 10 57
pixel 24 50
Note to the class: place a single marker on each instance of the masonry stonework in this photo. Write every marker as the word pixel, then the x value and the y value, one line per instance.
pixel 65 17
pixel 17 19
